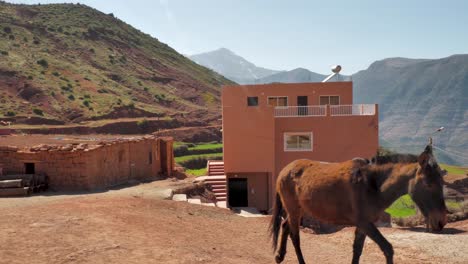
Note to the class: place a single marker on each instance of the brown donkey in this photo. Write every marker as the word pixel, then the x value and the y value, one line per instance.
pixel 354 193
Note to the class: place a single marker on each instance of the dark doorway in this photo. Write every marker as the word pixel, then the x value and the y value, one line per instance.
pixel 238 194
pixel 302 104
pixel 29 168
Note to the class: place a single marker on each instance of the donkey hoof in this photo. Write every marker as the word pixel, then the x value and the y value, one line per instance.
pixel 279 258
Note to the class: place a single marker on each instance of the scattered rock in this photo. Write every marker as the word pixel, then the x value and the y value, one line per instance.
pixel 179 197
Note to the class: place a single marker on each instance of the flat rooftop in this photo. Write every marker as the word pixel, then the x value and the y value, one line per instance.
pixel 24 140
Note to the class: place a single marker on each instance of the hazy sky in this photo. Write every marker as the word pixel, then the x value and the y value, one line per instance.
pixel 287 34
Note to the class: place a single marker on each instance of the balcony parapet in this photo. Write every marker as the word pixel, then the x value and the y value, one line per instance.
pixel 352 110
pixel 325 110
pixel 301 111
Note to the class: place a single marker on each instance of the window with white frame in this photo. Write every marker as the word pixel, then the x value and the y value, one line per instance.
pixel 278 101
pixel 329 100
pixel 298 141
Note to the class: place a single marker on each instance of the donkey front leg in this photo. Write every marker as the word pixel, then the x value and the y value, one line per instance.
pixel 371 231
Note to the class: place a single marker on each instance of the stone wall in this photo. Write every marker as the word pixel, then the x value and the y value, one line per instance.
pixel 75 167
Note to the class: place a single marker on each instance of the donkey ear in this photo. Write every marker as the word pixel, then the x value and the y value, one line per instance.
pixel 423 159
pixel 428 150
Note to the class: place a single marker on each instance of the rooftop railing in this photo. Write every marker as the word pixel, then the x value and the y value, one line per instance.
pixel 297 111
pixel 352 110
pixel 321 110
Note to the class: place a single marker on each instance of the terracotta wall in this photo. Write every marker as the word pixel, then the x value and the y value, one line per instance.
pixel 248 133
pixel 335 138
pixel 257 187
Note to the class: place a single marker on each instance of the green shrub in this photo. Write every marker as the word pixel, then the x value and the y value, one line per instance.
pixel 123 59
pixel 131 105
pixel 66 88
pixel 87 96
pixel 92 50
pixel 145 89
pixel 102 91
pixel 181 150
pixel 43 63
pixel 86 103
pixel 38 111
pixel 30 77
pixel 197 162
pixel 139 83
pixel 56 74
pixel 11 37
pixel 160 97
pixel 5 53
pixel 7 30
pixel 10 113
pixel 52 93
pixel 143 124
pixel 71 97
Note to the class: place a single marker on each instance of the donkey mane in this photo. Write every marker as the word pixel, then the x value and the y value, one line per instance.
pixel 394 158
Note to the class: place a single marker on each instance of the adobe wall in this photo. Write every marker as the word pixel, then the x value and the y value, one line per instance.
pixel 83 167
pixel 64 170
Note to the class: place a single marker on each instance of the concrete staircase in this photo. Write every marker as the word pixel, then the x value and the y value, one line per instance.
pixel 218 184
pixel 217 179
pixel 215 168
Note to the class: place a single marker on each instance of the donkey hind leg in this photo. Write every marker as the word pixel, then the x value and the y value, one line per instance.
pixel 294 222
pixel 371 231
pixel 283 241
pixel 359 238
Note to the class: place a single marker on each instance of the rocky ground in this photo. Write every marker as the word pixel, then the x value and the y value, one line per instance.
pixel 135 225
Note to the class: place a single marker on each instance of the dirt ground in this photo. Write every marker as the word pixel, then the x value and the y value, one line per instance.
pixel 135 225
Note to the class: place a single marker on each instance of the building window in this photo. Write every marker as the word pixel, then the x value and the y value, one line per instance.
pixel 300 141
pixel 278 101
pixel 252 101
pixel 330 100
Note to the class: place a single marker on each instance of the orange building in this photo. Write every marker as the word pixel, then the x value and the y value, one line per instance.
pixel 265 127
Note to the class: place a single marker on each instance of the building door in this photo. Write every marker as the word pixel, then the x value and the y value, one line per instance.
pixel 302 104
pixel 238 193
pixel 29 168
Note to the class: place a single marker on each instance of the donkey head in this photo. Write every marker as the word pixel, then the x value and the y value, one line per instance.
pixel 426 190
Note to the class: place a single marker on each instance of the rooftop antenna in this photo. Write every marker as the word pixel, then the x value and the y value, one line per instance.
pixel 430 137
pixel 335 71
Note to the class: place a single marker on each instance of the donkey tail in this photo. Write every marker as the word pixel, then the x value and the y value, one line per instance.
pixel 276 219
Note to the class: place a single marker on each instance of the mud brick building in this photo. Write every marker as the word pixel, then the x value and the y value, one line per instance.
pixel 82 166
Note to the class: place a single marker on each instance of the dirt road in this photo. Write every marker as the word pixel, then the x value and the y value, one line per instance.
pixel 133 225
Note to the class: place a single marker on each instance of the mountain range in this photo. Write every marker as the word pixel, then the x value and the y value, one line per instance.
pixel 231 65
pixel 415 97
pixel 66 63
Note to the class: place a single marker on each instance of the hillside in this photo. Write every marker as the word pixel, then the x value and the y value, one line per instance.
pixel 416 97
pixel 232 66
pixel 64 63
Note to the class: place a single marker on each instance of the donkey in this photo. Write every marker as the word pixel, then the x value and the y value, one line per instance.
pixel 354 193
